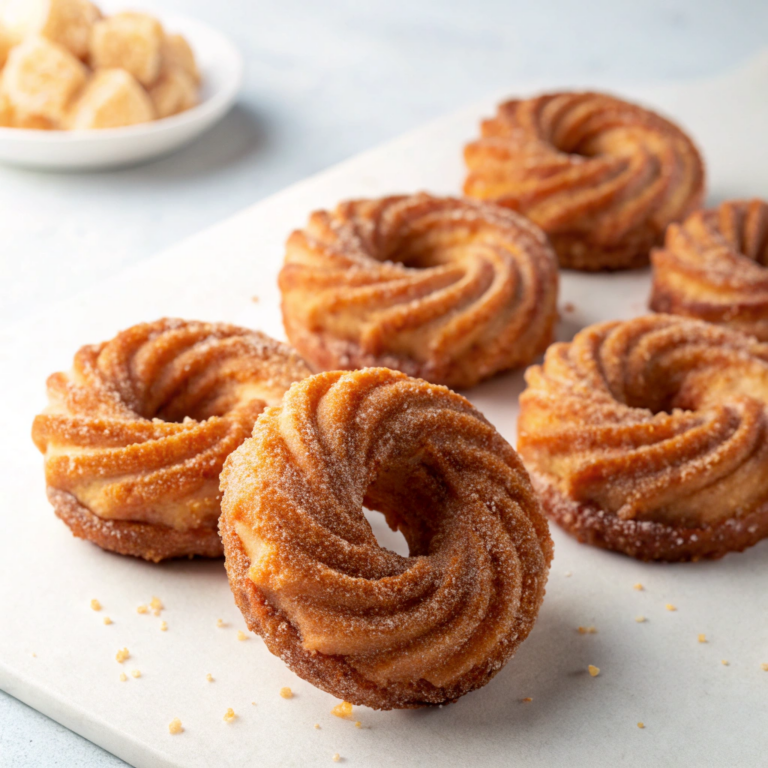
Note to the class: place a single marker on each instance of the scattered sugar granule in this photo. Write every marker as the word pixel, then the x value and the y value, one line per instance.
pixel 219 623
pixel 670 607
pixel 640 619
pixel 344 709
pixel 122 655
pixel 255 299
pixel 286 693
pixel 174 726
pixel 725 662
pixel 123 677
pixel 336 757
pixel 95 604
pixel 639 587
pixel 764 667
pixel 568 574
pixel 702 638
pixel 358 724
pixel 253 703
pixel 135 673
pixel 527 700
pixel 142 609
pixel 34 655
pixel 641 725
pixel 587 630
pixel 107 620
pixel 209 677
pixel 229 715
pixel 317 726
pixel 163 626
pixel 593 670
pixel 241 635
pixel 156 605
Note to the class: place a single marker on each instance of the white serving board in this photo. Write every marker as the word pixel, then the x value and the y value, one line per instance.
pixel 58 656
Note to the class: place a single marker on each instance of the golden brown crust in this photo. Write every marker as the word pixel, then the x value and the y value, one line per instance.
pixel 135 436
pixel 451 291
pixel 602 177
pixel 146 540
pixel 647 540
pixel 713 267
pixel 359 621
pixel 650 437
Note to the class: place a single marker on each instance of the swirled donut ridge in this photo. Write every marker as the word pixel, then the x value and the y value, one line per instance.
pixel 135 436
pixel 714 266
pixel 650 437
pixel 362 622
pixel 452 291
pixel 602 177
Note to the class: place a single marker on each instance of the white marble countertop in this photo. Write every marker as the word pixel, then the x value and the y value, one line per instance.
pixel 324 81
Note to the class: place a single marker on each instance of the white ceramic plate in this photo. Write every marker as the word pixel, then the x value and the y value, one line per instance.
pixel 221 66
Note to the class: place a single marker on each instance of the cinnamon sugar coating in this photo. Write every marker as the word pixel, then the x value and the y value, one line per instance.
pixel 650 437
pixel 713 267
pixel 359 621
pixel 136 434
pixel 602 177
pixel 451 291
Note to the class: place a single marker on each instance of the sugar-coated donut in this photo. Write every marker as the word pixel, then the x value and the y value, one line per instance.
pixel 135 436
pixel 452 291
pixel 368 625
pixel 650 437
pixel 602 177
pixel 714 266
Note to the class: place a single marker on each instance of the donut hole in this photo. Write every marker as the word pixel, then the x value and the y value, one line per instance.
pixel 435 247
pixel 202 403
pixel 386 538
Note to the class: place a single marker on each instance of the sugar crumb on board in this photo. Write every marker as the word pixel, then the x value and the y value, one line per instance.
pixel 587 630
pixel 95 605
pixel 342 709
pixel 641 725
pixel 209 677
pixel 175 726
pixel 123 677
pixel 122 655
pixel 135 673
pixel 702 638
pixel 163 626
pixel 670 607
pixel 229 715
pixel 639 587
pixel 593 670
pixel 142 609
pixel 641 619
pixel 220 623
pixel 286 692
pixel 241 635
pixel 107 620
pixel 156 604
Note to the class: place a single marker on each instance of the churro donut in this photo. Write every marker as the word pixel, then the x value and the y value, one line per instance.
pixel 135 436
pixel 602 177
pixel 448 290
pixel 650 437
pixel 713 267
pixel 357 620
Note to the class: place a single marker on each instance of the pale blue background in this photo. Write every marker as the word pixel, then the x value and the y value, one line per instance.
pixel 325 79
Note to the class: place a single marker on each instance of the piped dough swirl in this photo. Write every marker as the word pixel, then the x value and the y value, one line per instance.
pixel 714 266
pixel 362 622
pixel 650 437
pixel 136 434
pixel 452 291
pixel 602 177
